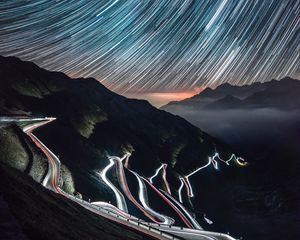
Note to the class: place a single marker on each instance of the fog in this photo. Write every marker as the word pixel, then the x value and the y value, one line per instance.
pixel 244 127
pixel 243 201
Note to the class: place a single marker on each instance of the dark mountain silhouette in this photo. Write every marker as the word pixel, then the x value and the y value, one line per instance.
pixel 282 94
pixel 29 211
pixel 224 102
pixel 93 122
pixel 90 114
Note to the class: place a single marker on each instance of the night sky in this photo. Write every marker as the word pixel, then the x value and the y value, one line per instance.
pixel 157 49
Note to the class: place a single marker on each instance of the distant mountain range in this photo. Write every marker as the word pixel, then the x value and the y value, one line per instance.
pixel 282 94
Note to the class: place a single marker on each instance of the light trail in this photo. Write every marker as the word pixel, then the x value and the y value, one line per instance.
pixel 180 189
pixel 164 176
pixel 211 160
pixel 127 160
pixel 183 218
pixel 189 187
pixel 54 168
pixel 126 190
pixel 207 220
pixel 156 45
pixel 121 203
pixel 240 161
pixel 53 160
pixel 156 173
pixel 143 195
pixel 163 167
pixel 55 172
pixel 232 158
pixel 195 224
pixel 112 208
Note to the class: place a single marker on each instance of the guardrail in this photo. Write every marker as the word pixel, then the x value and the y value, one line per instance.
pixel 138 222
pixel 60 179
pixel 88 205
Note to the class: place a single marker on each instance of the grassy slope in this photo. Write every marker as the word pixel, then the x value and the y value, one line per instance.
pixel 18 151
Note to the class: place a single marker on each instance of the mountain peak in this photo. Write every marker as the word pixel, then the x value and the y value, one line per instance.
pixel 255 94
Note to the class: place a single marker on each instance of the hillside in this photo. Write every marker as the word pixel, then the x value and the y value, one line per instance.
pixel 26 208
pixel 93 122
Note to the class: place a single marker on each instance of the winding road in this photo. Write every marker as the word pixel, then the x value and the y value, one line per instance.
pixel 160 229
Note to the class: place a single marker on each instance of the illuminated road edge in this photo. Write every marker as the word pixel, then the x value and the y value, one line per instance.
pixel 53 182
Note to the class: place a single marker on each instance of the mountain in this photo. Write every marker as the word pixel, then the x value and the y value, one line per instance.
pixel 93 123
pixel 282 94
pixel 92 118
pixel 260 122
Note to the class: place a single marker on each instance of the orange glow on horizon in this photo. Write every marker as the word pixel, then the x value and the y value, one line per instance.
pixel 159 99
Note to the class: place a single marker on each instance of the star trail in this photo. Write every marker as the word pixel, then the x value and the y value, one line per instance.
pixel 156 46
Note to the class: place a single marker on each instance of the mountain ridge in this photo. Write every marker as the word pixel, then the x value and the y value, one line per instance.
pixel 93 122
pixel 247 95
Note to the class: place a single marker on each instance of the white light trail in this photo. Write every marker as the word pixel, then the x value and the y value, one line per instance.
pixel 211 160
pixel 180 189
pixel 142 196
pixel 121 203
pixel 141 46
pixel 164 176
pixel 126 190
pixel 163 167
pixel 112 208
pixel 208 220
pixel 195 224
pixel 156 173
pixel 127 160
pixel 216 15
pixel 48 181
